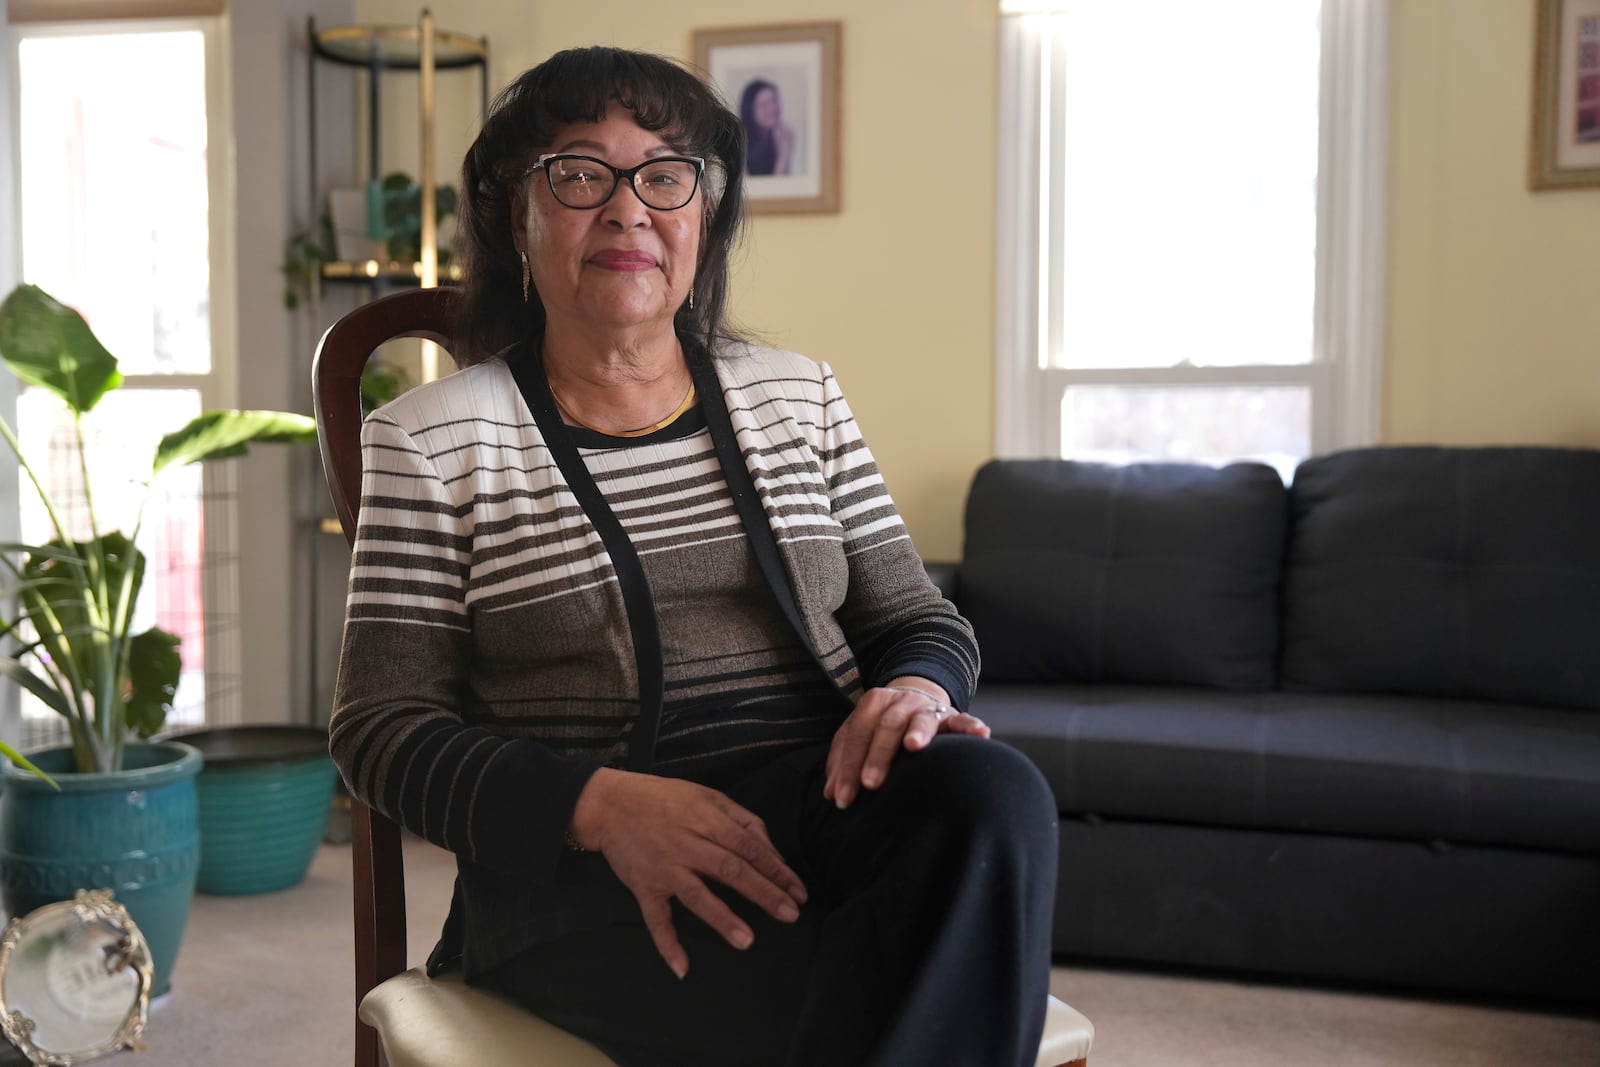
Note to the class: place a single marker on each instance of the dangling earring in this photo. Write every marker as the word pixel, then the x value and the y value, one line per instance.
pixel 527 276
pixel 691 298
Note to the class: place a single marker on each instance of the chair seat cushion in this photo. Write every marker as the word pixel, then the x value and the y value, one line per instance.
pixel 1068 1035
pixel 443 1022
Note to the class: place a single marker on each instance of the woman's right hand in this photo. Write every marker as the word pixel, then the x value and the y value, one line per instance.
pixel 664 836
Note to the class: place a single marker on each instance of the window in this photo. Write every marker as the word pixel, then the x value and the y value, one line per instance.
pixel 1190 228
pixel 115 190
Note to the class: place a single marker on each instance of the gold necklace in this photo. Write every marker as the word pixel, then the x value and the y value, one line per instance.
pixel 683 405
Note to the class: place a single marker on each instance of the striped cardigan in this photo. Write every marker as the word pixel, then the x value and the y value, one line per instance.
pixel 488 668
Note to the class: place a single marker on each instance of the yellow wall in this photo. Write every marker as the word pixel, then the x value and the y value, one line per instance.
pixel 896 291
pixel 1493 327
pixel 1494 291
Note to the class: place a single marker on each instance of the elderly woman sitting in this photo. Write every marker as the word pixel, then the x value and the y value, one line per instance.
pixel 635 631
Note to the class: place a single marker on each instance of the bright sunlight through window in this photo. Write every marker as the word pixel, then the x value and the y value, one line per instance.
pixel 115 223
pixel 1190 165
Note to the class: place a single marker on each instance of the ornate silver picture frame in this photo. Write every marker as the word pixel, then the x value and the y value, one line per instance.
pixel 75 981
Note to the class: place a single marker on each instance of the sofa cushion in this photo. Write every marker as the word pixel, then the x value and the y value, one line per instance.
pixel 1161 573
pixel 1469 572
pixel 1399 767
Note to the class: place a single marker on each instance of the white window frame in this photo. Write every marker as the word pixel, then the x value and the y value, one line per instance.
pixel 217 388
pixel 10 266
pixel 1345 371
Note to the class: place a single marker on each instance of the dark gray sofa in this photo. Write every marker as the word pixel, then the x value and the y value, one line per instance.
pixel 1348 730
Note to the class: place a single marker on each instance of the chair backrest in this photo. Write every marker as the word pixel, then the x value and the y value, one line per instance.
pixel 378 866
pixel 341 356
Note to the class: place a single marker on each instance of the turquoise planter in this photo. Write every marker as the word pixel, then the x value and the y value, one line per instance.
pixel 264 798
pixel 135 832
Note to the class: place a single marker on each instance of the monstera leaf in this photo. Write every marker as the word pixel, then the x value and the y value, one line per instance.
pixel 46 343
pixel 73 598
pixel 74 594
pixel 153 669
pixel 224 434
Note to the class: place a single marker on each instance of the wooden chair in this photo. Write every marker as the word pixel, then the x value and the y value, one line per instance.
pixel 404 1018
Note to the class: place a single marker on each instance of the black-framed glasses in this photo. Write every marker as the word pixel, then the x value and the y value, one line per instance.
pixel 665 183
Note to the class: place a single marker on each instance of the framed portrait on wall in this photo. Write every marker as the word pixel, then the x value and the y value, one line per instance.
pixel 783 82
pixel 1566 96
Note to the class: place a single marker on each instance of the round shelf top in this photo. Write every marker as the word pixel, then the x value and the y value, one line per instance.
pixel 397 46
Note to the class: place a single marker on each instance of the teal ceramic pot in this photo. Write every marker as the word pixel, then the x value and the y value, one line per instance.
pixel 135 831
pixel 264 799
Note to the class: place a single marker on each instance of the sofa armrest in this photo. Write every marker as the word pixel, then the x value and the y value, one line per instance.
pixel 945 576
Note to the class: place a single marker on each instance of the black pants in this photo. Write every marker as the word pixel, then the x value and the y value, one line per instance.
pixel 926 939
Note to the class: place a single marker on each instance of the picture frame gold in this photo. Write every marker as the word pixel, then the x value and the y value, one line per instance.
pixel 1566 96
pixel 783 81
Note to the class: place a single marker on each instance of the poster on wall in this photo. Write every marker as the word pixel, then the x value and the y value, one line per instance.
pixel 783 81
pixel 1566 93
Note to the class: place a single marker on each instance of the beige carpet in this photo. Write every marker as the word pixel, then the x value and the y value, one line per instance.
pixel 266 981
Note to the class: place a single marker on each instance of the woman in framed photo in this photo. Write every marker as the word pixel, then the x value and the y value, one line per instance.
pixel 769 140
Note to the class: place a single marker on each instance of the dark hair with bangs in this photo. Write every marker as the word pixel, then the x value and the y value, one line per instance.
pixel 578 85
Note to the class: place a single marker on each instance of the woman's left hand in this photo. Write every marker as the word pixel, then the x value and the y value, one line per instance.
pixel 904 713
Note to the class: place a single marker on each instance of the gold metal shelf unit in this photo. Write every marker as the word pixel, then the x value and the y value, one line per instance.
pixel 378 49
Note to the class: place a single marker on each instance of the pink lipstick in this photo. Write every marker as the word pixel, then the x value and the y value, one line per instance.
pixel 623 259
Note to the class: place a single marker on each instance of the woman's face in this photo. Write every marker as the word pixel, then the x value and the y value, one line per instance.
pixel 621 265
pixel 766 109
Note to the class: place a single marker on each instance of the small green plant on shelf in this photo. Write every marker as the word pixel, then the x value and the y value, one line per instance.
pixel 72 623
pixel 402 215
pixel 304 255
pixel 400 198
pixel 381 382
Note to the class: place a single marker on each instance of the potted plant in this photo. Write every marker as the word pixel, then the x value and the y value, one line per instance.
pixel 264 795
pixel 120 813
pixel 304 255
pixel 402 215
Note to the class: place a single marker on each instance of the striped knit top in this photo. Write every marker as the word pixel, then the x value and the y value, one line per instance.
pixel 488 667
pixel 740 686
